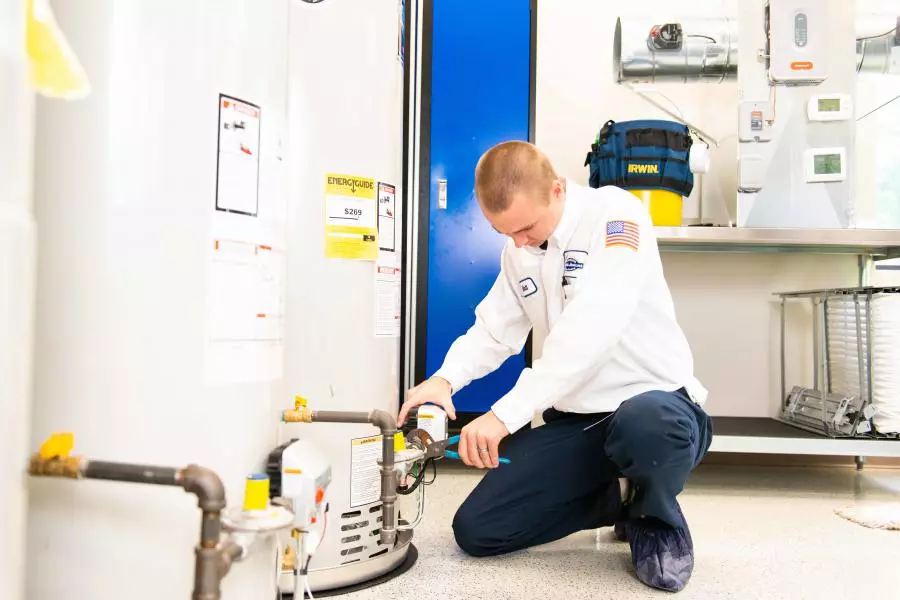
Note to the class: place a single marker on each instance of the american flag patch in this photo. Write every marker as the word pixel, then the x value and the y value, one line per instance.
pixel 623 233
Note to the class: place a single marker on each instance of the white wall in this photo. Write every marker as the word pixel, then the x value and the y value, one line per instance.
pixel 878 170
pixel 724 301
pixel 725 304
pixel 878 181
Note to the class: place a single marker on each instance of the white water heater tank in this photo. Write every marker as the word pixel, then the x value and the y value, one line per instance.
pixel 160 220
pixel 343 301
pixel 17 258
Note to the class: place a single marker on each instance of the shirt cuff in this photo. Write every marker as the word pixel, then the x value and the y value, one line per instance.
pixel 456 379
pixel 513 410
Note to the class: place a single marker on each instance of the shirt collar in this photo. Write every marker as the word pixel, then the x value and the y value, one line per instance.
pixel 572 209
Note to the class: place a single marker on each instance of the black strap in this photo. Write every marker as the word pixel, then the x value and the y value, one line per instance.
pixel 641 182
pixel 660 138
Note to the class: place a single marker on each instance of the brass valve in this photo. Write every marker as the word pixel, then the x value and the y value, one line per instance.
pixel 289 560
pixel 53 459
pixel 300 413
pixel 303 415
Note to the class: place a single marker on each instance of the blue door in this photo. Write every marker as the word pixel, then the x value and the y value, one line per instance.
pixel 481 77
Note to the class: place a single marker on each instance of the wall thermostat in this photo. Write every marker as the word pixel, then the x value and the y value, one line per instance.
pixel 755 116
pixel 798 41
pixel 829 107
pixel 825 164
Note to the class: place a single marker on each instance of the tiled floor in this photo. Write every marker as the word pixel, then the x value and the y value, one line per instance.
pixel 758 533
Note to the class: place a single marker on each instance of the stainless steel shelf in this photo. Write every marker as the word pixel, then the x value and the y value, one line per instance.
pixel 748 435
pixel 881 243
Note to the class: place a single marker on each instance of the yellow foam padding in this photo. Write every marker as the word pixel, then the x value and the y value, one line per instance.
pixel 57 445
pixel 665 207
pixel 256 492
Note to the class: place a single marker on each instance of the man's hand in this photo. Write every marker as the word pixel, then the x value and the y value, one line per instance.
pixel 479 441
pixel 435 390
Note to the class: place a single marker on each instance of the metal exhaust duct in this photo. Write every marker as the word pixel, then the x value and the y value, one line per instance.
pixel 873 54
pixel 706 50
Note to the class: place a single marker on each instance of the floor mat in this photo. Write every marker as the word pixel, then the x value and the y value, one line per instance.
pixel 876 516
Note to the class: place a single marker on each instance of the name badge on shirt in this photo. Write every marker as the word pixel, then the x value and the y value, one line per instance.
pixel 527 287
pixel 573 262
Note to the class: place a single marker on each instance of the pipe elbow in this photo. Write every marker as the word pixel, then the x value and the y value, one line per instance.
pixel 206 485
pixel 383 420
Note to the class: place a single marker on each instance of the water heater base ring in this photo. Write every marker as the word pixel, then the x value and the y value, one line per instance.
pixel 412 555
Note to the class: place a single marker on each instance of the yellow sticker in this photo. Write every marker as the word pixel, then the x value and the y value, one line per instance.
pixel 351 217
pixel 55 70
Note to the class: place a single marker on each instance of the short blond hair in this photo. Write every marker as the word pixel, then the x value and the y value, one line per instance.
pixel 509 168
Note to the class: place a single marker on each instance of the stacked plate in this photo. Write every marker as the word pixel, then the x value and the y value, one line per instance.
pixel 886 362
pixel 843 354
pixel 843 350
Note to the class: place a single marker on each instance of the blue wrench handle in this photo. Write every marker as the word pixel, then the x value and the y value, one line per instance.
pixel 455 456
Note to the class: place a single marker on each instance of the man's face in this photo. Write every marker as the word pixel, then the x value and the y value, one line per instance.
pixel 529 219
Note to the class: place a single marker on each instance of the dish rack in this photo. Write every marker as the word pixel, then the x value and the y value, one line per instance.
pixel 856 360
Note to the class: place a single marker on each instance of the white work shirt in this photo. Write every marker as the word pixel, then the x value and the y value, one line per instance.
pixel 601 312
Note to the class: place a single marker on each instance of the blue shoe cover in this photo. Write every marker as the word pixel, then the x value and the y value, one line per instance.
pixel 663 556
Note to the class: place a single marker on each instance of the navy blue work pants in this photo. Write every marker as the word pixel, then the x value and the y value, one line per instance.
pixel 563 475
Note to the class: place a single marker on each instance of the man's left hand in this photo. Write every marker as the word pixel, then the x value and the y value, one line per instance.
pixel 479 441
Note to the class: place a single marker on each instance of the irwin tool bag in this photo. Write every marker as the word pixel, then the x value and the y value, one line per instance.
pixel 643 155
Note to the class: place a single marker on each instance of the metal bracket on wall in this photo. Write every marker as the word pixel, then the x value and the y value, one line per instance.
pixel 700 133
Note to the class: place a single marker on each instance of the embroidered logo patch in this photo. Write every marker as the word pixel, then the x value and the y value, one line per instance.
pixel 573 261
pixel 527 287
pixel 623 233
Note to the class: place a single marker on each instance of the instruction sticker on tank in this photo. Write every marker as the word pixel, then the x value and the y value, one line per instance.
pixel 387 296
pixel 351 226
pixel 387 216
pixel 245 309
pixel 237 170
pixel 365 474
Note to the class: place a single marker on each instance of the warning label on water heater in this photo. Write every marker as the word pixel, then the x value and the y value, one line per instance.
pixel 365 474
